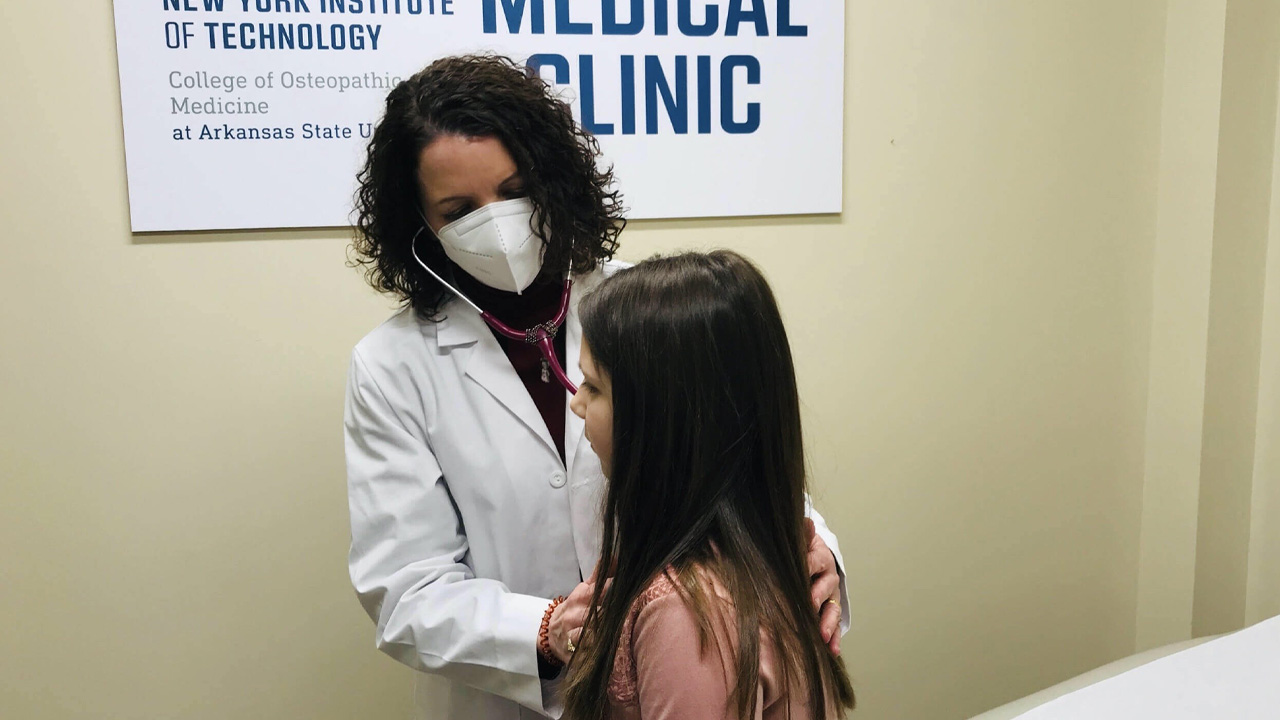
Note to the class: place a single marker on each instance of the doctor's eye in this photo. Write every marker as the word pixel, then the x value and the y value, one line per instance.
pixel 457 213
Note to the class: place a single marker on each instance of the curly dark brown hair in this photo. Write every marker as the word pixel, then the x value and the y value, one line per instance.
pixel 577 212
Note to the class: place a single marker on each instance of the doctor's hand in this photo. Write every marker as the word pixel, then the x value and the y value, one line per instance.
pixel 824 587
pixel 567 620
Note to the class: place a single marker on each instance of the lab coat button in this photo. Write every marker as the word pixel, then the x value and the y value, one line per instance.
pixel 557 480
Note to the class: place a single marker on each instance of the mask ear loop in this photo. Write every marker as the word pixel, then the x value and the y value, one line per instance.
pixel 413 248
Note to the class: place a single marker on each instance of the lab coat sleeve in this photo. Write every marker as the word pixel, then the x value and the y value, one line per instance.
pixel 408 560
pixel 829 538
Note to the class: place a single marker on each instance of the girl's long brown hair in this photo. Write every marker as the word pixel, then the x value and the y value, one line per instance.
pixel 707 472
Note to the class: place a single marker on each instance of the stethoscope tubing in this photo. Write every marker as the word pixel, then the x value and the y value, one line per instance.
pixel 543 335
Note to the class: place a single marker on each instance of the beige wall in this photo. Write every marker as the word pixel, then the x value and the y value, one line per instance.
pixel 1209 530
pixel 1263 584
pixel 1192 87
pixel 1004 348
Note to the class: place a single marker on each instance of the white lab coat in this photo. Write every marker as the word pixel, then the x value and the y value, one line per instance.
pixel 464 521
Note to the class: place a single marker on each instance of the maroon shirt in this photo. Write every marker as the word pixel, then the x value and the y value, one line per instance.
pixel 538 304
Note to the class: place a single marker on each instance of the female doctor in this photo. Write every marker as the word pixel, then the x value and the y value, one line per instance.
pixel 474 499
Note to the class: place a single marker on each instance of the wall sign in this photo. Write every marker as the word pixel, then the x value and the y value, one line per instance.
pixel 255 113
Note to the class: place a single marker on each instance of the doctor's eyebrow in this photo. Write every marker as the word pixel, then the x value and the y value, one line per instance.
pixel 504 185
pixel 453 198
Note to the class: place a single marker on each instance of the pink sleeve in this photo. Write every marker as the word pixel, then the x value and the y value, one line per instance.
pixel 675 680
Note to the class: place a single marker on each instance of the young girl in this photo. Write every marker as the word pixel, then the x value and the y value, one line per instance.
pixel 689 400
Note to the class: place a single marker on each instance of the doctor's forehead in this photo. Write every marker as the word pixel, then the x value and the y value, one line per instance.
pixel 455 163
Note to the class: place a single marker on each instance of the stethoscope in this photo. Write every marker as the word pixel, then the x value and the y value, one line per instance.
pixel 542 335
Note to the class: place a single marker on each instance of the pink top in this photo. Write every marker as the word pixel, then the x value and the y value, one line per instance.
pixel 660 672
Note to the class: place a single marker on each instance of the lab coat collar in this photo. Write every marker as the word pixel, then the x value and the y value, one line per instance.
pixel 488 366
pixel 460 324
pixel 485 363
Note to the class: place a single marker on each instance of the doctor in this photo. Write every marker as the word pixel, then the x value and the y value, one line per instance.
pixel 474 499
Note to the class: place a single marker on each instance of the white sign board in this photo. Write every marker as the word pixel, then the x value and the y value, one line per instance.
pixel 255 113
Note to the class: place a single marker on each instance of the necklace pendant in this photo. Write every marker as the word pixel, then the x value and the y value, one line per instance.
pixel 546 371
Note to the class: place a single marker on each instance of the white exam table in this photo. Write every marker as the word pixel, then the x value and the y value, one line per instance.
pixel 1235 676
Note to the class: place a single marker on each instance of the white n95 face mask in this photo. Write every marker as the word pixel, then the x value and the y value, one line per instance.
pixel 496 245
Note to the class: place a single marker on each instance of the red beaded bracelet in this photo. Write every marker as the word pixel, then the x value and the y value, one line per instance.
pixel 544 637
